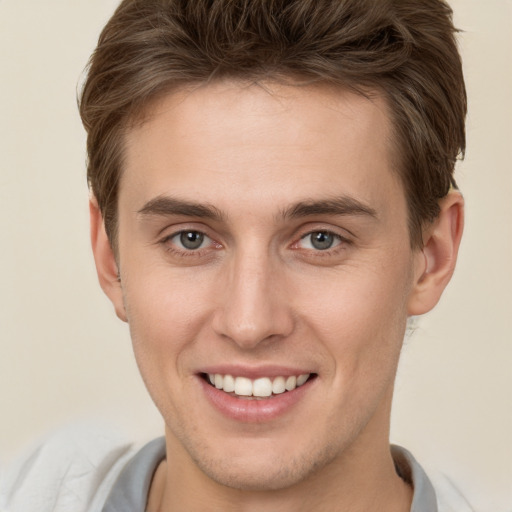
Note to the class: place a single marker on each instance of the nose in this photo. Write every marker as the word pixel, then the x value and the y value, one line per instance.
pixel 252 305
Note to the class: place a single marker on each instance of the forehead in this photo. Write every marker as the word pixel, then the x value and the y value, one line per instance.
pixel 267 142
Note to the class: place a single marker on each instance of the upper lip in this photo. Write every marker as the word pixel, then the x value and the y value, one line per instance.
pixel 254 372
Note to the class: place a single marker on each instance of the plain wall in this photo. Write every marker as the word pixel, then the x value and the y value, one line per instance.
pixel 65 356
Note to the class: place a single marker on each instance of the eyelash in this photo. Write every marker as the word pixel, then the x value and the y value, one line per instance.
pixel 172 248
pixel 341 245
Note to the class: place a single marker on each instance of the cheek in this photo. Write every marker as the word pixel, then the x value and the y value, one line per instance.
pixel 360 317
pixel 165 313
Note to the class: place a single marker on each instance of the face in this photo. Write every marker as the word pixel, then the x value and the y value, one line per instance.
pixel 266 273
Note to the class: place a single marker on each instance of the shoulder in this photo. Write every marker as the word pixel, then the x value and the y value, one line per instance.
pixel 73 469
pixel 449 497
pixel 432 491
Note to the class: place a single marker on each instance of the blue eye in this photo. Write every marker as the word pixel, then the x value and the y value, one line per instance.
pixel 190 240
pixel 320 240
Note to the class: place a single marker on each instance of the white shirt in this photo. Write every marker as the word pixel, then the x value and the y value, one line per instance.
pixel 88 470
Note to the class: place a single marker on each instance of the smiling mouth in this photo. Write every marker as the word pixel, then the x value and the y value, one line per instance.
pixel 261 388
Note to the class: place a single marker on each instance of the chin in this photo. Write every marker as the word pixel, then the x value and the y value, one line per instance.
pixel 247 475
pixel 265 470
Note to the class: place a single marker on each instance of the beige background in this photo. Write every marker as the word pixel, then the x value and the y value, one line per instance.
pixel 65 357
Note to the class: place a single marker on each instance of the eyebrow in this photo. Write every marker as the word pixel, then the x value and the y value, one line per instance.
pixel 164 206
pixel 343 205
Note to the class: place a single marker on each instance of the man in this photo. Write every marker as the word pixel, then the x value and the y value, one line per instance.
pixel 272 199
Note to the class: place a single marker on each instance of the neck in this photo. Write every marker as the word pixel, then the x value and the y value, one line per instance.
pixel 360 479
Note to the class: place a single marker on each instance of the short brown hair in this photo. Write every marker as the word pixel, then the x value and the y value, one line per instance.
pixel 404 48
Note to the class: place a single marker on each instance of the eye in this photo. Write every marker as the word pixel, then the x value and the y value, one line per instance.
pixel 190 240
pixel 320 240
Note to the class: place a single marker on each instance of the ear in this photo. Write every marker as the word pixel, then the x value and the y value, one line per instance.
pixel 435 263
pixel 106 265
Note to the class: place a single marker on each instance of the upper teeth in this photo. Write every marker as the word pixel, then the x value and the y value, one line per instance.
pixel 262 387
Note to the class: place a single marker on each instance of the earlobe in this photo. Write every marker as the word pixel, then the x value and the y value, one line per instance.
pixel 106 265
pixel 435 264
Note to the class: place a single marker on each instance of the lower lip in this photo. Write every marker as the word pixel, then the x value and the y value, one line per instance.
pixel 254 410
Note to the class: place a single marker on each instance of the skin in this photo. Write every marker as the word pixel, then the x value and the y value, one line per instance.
pixel 258 291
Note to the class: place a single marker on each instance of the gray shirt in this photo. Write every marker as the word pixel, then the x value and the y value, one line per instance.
pixel 130 491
